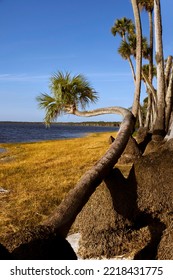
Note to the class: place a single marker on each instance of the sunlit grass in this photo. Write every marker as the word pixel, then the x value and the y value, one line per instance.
pixel 38 176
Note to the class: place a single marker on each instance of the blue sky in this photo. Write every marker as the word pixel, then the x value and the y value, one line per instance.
pixel 38 38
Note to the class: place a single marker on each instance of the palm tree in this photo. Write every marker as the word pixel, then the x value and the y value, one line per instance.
pixel 148 5
pixel 68 93
pixel 128 48
pixel 64 215
pixel 125 27
pixel 125 51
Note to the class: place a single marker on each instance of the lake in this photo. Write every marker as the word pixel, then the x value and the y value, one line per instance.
pixel 18 132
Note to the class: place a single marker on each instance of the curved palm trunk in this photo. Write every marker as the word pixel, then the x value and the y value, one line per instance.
pixel 63 217
pixel 150 87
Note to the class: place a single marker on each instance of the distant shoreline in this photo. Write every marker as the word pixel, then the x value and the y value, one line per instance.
pixel 24 132
pixel 88 123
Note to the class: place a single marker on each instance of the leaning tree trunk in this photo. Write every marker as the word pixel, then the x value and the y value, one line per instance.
pixel 63 217
pixel 132 69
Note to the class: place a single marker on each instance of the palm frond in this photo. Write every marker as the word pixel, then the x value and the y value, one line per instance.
pixel 52 112
pixel 148 5
pixel 123 26
pixel 124 50
pixel 44 100
pixel 53 107
pixel 66 91
pixel 145 69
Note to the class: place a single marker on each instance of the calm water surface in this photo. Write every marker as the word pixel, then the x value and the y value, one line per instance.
pixel 33 132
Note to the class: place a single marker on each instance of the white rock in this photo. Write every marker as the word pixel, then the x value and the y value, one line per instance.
pixel 73 239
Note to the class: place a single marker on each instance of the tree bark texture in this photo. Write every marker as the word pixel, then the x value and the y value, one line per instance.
pixel 159 126
pixel 136 101
pixel 169 99
pixel 150 15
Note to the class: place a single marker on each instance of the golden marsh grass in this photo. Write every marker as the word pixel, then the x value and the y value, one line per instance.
pixel 37 176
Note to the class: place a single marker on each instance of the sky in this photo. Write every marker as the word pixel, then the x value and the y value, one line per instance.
pixel 39 38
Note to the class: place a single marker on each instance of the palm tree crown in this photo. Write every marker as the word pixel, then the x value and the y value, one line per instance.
pixel 145 70
pixel 67 93
pixel 128 47
pixel 122 27
pixel 148 5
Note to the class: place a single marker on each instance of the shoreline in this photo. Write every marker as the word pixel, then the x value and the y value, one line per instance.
pixel 31 133
pixel 83 123
pixel 83 135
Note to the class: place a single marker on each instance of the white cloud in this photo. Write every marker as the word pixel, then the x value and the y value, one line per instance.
pixel 22 77
pixel 102 77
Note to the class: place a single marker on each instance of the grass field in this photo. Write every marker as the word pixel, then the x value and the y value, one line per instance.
pixel 37 176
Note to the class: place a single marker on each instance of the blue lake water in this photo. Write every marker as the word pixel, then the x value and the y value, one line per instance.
pixel 12 132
